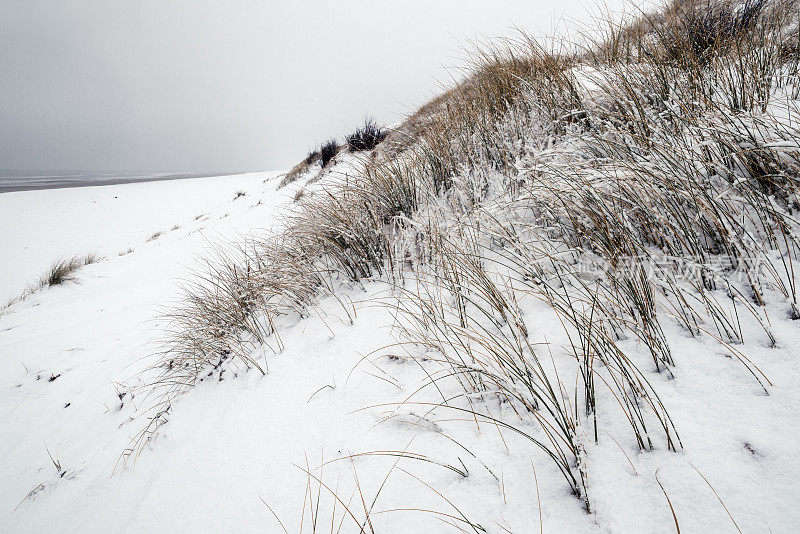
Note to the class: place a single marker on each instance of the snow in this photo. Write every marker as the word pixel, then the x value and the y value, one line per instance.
pixel 339 391
pixel 40 226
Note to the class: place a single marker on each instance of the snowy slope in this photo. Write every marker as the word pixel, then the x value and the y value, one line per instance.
pixel 233 456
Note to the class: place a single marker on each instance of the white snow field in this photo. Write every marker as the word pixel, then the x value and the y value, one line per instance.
pixel 236 450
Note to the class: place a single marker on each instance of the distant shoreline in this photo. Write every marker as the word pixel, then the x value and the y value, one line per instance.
pixel 117 180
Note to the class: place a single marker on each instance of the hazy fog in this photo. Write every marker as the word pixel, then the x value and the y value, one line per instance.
pixel 211 85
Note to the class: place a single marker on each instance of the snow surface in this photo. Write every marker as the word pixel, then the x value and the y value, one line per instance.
pixel 235 450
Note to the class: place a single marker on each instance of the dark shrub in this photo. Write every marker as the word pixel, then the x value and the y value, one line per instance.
pixel 312 157
pixel 366 137
pixel 327 151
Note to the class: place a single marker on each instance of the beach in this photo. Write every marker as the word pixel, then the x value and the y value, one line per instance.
pixel 41 226
pixel 66 349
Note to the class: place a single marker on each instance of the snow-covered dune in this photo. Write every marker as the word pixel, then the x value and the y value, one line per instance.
pixel 560 297
pixel 41 226
pixel 234 454
pixel 71 357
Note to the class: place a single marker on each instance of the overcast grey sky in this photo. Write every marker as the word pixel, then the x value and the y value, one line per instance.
pixel 209 85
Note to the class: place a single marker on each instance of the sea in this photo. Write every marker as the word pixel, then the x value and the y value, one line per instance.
pixel 26 180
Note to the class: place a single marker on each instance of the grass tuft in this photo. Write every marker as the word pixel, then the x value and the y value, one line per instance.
pixel 327 151
pixel 366 137
pixel 61 271
pixel 64 270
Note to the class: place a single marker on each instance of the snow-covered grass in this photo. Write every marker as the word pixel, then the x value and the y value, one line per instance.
pixel 561 296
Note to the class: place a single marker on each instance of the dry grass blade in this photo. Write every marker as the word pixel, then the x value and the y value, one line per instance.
pixel 718 498
pixel 669 502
